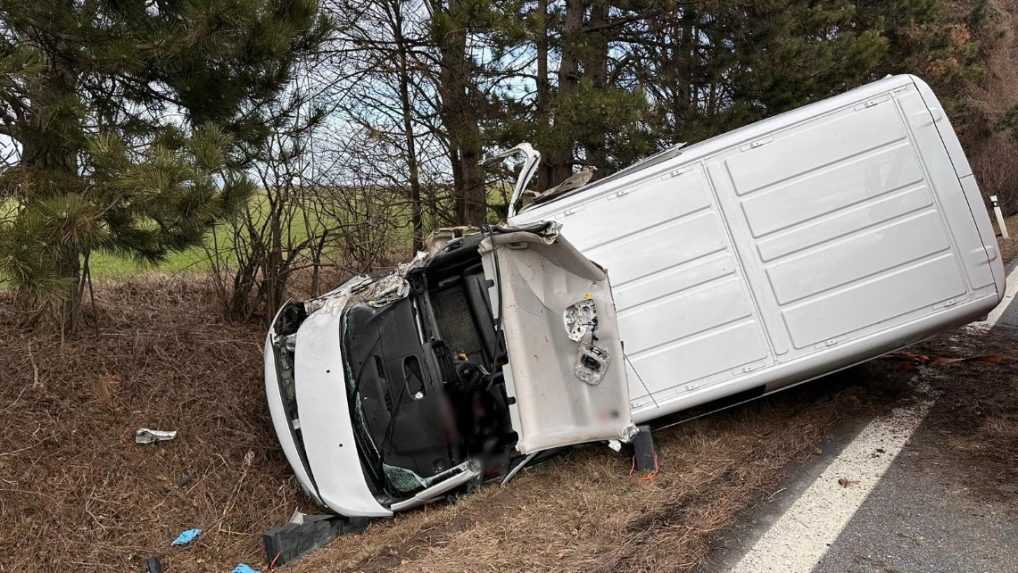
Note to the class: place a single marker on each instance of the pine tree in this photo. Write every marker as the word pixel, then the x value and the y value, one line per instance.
pixel 133 121
pixel 713 66
pixel 586 111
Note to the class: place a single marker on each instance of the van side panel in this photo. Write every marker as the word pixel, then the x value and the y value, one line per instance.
pixel 678 291
pixel 790 248
pixel 977 205
pixel 854 234
pixel 945 182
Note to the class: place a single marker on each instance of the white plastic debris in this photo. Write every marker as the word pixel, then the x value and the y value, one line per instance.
pixel 147 436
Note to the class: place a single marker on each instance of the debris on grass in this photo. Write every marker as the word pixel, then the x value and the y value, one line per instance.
pixel 187 536
pixel 179 365
pixel 147 436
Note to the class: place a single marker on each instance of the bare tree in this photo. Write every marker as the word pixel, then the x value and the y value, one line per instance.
pixel 279 232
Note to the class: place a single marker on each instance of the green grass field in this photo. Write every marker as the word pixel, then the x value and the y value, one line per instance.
pixel 109 266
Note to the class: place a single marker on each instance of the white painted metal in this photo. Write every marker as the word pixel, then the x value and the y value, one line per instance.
pixel 281 424
pixel 1001 223
pixel 790 248
pixel 325 420
pixel 531 159
pixel 468 472
pixel 551 406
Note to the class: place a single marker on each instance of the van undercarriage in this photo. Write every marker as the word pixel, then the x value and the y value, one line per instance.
pixel 414 370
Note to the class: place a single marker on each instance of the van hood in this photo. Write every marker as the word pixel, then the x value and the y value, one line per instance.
pixel 319 442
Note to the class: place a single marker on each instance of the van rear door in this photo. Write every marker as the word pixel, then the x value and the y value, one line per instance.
pixel 565 375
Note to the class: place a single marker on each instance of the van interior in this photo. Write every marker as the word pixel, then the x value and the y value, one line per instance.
pixel 424 376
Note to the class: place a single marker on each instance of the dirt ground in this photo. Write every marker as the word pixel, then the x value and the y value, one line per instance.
pixel 974 420
pixel 77 493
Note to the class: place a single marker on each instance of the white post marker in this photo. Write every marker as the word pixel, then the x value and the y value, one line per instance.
pixel 1000 217
pixel 800 538
pixel 1010 291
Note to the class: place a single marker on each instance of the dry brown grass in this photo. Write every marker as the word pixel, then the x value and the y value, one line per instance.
pixel 974 424
pixel 77 493
pixel 585 512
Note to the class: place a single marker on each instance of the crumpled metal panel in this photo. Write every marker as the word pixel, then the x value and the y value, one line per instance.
pixel 539 279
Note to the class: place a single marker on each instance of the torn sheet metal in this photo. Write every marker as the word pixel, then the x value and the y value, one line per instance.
pixel 580 318
pixel 147 436
pixel 559 314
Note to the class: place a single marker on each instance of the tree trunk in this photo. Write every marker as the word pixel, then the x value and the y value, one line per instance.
pixel 457 183
pixel 561 157
pixel 595 67
pixel 543 87
pixel 50 148
pixel 474 193
pixel 685 67
pixel 459 111
pixel 69 269
pixel 416 208
pixel 275 279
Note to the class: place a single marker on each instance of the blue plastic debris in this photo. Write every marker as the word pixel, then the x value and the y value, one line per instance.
pixel 187 536
pixel 244 568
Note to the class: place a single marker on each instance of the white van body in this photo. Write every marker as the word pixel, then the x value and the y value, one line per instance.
pixel 733 268
pixel 788 249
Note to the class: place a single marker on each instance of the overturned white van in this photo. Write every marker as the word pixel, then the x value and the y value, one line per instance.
pixel 750 262
pixel 787 249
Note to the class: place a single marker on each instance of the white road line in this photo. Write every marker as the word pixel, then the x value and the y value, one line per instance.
pixel 1010 290
pixel 801 536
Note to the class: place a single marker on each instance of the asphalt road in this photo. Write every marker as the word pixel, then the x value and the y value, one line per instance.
pixel 914 521
pixel 1009 317
pixel 918 518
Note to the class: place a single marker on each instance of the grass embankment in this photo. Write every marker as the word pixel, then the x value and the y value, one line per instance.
pixel 77 493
